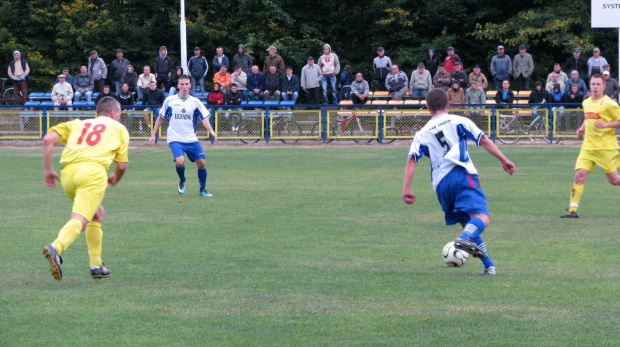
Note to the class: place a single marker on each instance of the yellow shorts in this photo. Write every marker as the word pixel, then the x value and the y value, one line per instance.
pixel 85 184
pixel 609 160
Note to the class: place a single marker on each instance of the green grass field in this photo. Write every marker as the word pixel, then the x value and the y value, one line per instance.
pixel 311 247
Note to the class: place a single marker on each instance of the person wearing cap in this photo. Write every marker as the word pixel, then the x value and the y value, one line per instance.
pixel 576 62
pixel 397 83
pixel 198 68
pixel 460 75
pixel 381 65
pixel 612 88
pixel 162 69
pixel 98 71
pixel 83 85
pixel 596 63
pixel 575 80
pixel 62 93
pixel 420 82
pixel 557 69
pixel 479 77
pixel 431 62
pixel 256 84
pixel 240 78
pixel 475 95
pixel 131 79
pixel 450 59
pixel 18 72
pixel 311 81
pixel 442 78
pixel 68 77
pixel 501 68
pixel 219 60
pixel 523 67
pixel 119 67
pixel 360 89
pixel 290 85
pixel 243 59
pixel 273 59
pixel 330 68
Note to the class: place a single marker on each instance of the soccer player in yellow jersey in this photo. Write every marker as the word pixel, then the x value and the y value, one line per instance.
pixel 91 146
pixel 600 146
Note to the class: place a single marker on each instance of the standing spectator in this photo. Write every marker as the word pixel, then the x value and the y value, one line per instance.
pixel 105 93
pixel 240 78
pixel 273 87
pixel 98 71
pixel 330 67
pixel 346 78
pixel 596 63
pixel 562 76
pixel 243 59
pixel 442 79
pixel 310 81
pixel 144 81
pixel 273 59
pixel 456 95
pixel 68 78
pixel 219 60
pixel 198 68
pixel 505 96
pixel 475 95
pixel 612 88
pixel 539 95
pixel 290 85
pixel 460 75
pixel 523 66
pixel 451 59
pixel 576 62
pixel 431 62
pixel 420 82
pixel 18 72
pixel 174 80
pixel 131 79
pixel 216 97
pixel 382 64
pixel 397 83
pixel 575 80
pixel 163 69
pixel 256 84
pixel 153 97
pixel 359 89
pixel 501 68
pixel 479 77
pixel 62 93
pixel 83 85
pixel 222 78
pixel 119 68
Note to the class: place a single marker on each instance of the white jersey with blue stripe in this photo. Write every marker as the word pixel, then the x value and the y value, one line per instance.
pixel 444 140
pixel 183 116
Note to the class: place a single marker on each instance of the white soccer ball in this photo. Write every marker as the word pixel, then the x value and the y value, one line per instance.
pixel 452 256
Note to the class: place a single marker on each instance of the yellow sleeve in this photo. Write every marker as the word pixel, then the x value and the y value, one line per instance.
pixel 64 130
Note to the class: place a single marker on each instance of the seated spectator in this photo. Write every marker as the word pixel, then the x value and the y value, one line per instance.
pixel 556 96
pixel 612 88
pixel 272 85
pixel 360 89
pixel 233 98
pixel 479 77
pixel 216 97
pixel 505 96
pixel 562 77
pixel 256 84
pixel 144 82
pixel 153 97
pixel 290 85
pixel 442 78
pixel 240 78
pixel 62 93
pixel 106 92
pixel 456 95
pixel 126 97
pixel 68 78
pixel 131 78
pixel 174 80
pixel 420 83
pixel 460 75
pixel 83 85
pixel 574 96
pixel 475 95
pixel 222 77
pixel 576 118
pixel 555 79
pixel 346 78
pixel 575 80
pixel 397 83
pixel 539 95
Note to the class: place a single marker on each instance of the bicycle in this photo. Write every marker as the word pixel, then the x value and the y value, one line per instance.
pixel 341 127
pixel 7 93
pixel 512 125
pixel 283 127
pixel 402 126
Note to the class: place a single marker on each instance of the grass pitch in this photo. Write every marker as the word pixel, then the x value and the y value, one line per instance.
pixel 311 247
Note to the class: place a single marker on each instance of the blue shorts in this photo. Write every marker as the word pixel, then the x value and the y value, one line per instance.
pixel 460 194
pixel 192 149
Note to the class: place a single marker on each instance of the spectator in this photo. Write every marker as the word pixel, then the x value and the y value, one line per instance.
pixel 562 77
pixel 106 92
pixel 397 83
pixel 504 97
pixel 198 68
pixel 577 63
pixel 555 79
pixel 233 98
pixel 574 95
pixel 575 80
pixel 442 78
pixel 539 95
pixel 131 79
pixel 460 75
pixel 290 85
pixel 273 88
pixel 68 78
pixel 18 72
pixel 219 60
pixel 420 82
pixel 501 68
pixel 216 97
pixel 119 68
pixel 243 59
pixel 240 78
pixel 523 65
pixel 83 85
pixel 153 97
pixel 144 82
pixel 572 120
pixel 359 89
pixel 346 78
pixel 382 64
pixel 256 84
pixel 273 59
pixel 479 77
pixel 556 96
pixel 456 95
pixel 431 62
pixel 450 59
pixel 126 97
pixel 475 95
pixel 612 88
pixel 310 81
pixel 174 80
pixel 596 63
pixel 62 93
pixel 163 69
pixel 222 78
pixel 98 71
pixel 330 67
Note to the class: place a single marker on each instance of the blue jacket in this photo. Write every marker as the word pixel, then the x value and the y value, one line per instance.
pixel 217 65
pixel 346 78
pixel 290 86
pixel 256 81
pixel 581 85
pixel 198 67
pixel 501 67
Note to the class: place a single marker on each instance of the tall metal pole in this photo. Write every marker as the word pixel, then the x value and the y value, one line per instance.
pixel 183 39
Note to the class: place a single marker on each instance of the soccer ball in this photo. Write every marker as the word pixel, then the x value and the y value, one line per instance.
pixel 452 256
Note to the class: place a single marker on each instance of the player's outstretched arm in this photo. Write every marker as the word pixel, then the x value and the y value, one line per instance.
pixel 119 171
pixel 209 128
pixel 155 129
pixel 408 195
pixel 490 147
pixel 50 139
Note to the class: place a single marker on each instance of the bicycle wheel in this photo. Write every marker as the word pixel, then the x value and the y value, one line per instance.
pixel 511 127
pixel 8 98
pixel 288 129
pixel 248 128
pixel 389 134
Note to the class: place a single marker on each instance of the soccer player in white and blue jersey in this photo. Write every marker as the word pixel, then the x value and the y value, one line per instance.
pixel 183 113
pixel 455 178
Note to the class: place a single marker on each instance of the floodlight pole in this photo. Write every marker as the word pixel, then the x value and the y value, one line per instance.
pixel 183 39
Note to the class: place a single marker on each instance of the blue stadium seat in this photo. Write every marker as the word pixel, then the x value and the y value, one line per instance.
pixel 255 103
pixel 36 95
pixel 47 103
pixel 82 104
pixel 32 103
pixel 95 95
pixel 287 103
pixel 271 103
pixel 48 95
pixel 138 103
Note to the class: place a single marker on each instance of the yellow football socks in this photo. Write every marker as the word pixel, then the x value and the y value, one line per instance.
pixel 94 236
pixel 69 233
pixel 575 196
